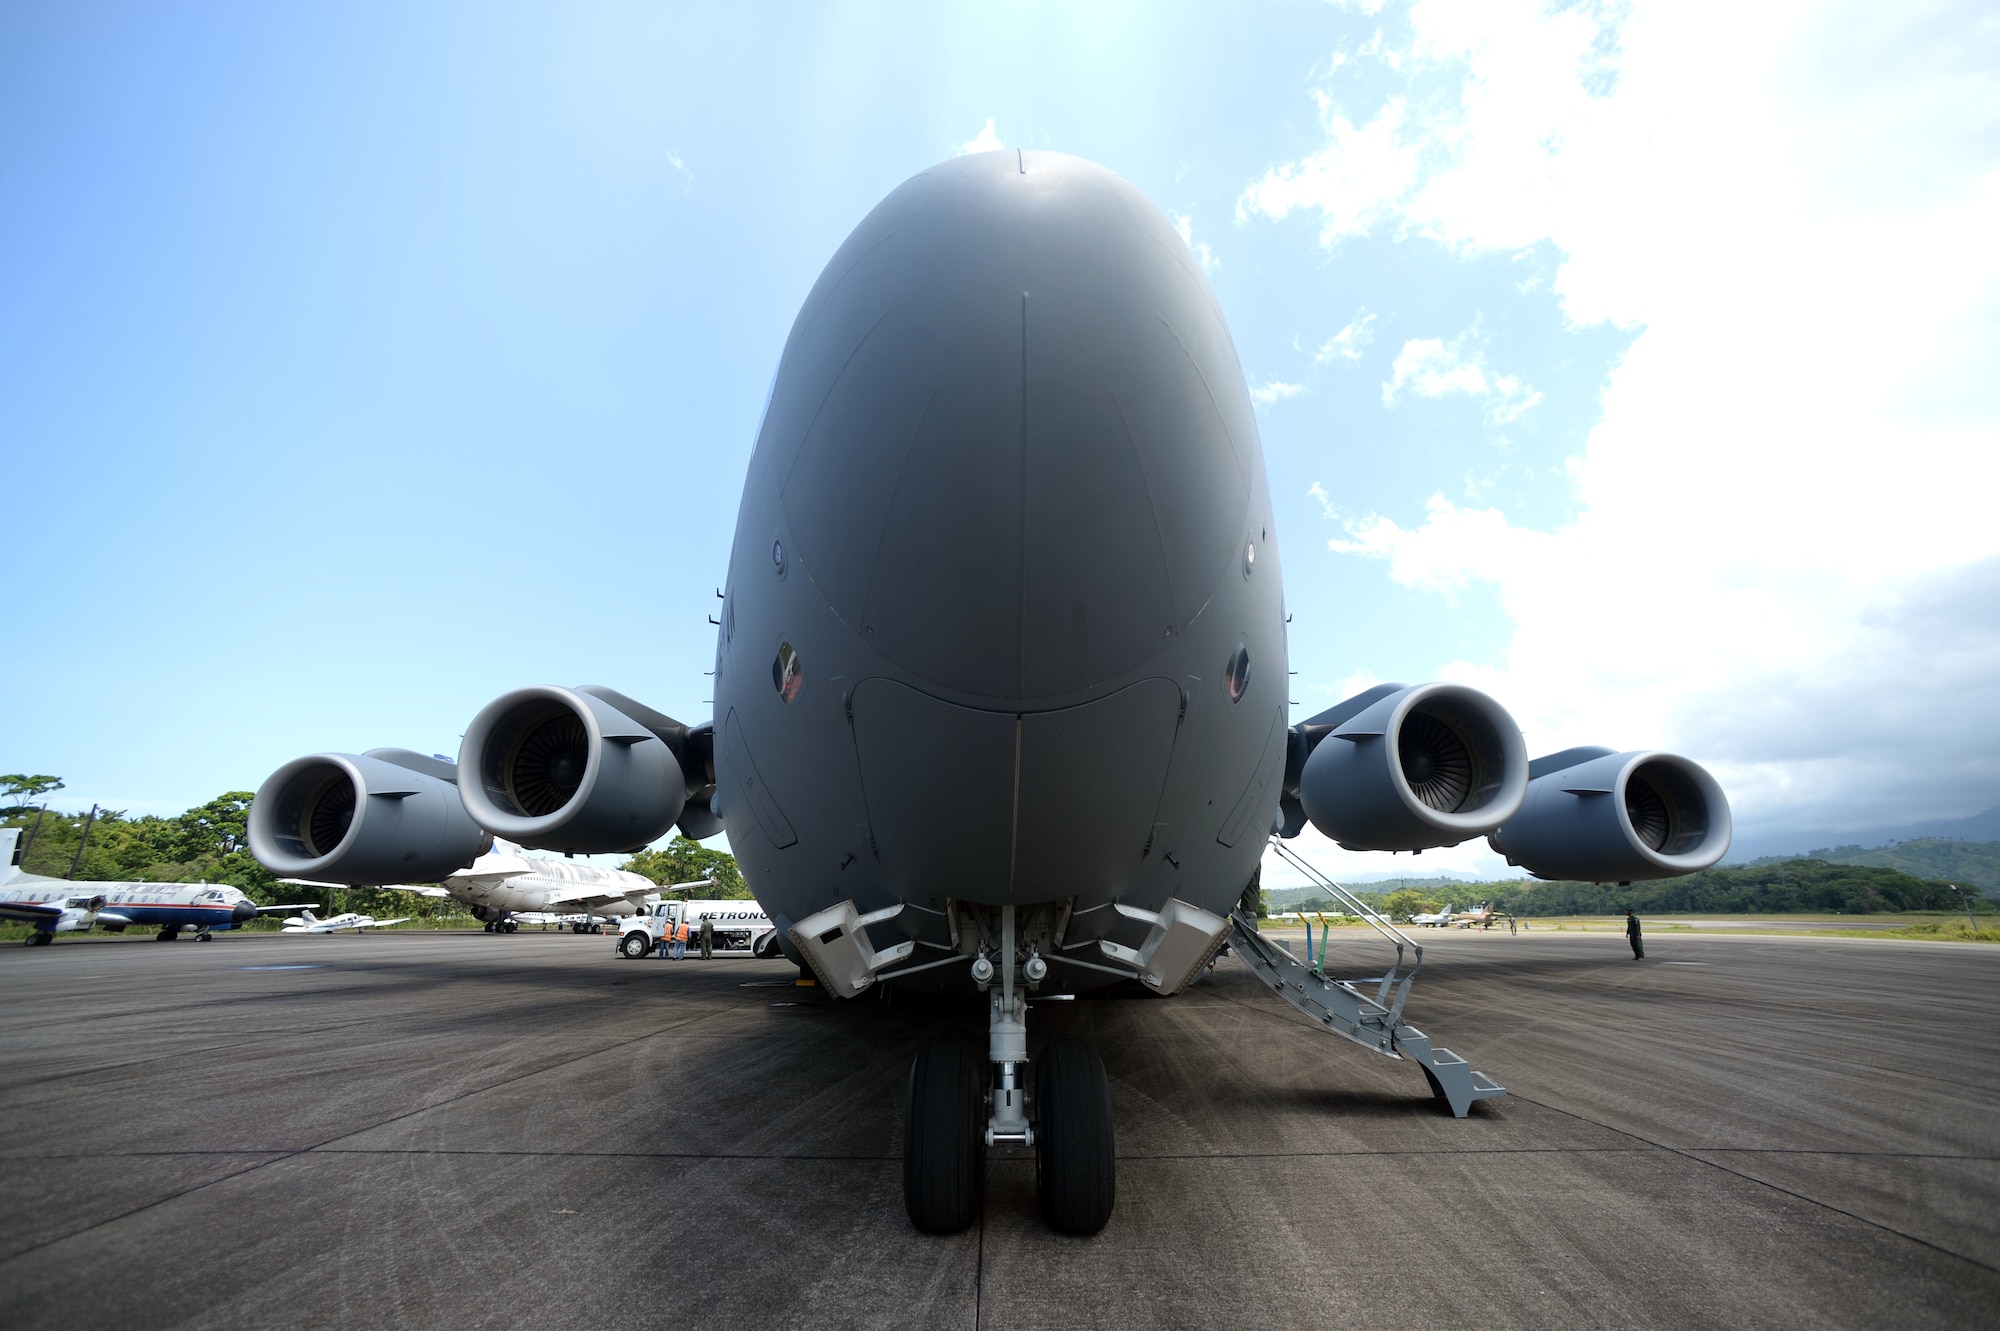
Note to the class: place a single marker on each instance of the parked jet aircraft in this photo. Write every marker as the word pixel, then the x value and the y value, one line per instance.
pixel 1475 919
pixel 307 923
pixel 1000 682
pixel 503 884
pixel 57 905
pixel 1432 919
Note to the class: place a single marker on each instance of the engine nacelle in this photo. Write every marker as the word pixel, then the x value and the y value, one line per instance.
pixel 1602 817
pixel 385 816
pixel 1400 768
pixel 584 770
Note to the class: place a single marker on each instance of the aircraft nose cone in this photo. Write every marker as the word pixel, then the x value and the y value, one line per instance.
pixel 243 911
pixel 1003 357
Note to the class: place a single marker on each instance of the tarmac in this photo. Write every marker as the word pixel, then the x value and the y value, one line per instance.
pixel 467 1130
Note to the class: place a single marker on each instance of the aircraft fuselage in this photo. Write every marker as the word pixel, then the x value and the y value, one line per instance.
pixel 1004 620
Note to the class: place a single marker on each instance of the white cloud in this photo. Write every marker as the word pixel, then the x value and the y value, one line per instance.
pixel 1349 342
pixel 1185 225
pixel 1320 496
pixel 1356 182
pixel 985 141
pixel 1276 390
pixel 1429 368
pixel 687 176
pixel 1803 440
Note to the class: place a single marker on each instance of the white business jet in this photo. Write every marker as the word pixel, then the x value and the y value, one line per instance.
pixel 503 885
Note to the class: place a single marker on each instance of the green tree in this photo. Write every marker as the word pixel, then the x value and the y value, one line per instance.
pixel 1405 902
pixel 684 861
pixel 22 791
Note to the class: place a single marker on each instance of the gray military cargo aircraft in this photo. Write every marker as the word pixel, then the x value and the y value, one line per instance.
pixel 1000 683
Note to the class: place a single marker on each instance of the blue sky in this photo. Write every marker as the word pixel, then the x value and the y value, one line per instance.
pixel 358 363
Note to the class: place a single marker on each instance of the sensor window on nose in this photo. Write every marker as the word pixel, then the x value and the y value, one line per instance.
pixel 1236 675
pixel 788 673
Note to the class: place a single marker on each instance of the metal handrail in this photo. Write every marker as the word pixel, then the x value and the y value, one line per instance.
pixel 1396 979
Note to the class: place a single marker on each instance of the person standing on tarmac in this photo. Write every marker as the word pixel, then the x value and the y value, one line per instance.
pixel 707 938
pixel 1632 935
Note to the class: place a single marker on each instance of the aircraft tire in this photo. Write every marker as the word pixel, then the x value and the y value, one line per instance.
pixel 40 939
pixel 944 1151
pixel 1076 1153
pixel 167 936
pixel 634 945
pixel 510 927
pixel 489 927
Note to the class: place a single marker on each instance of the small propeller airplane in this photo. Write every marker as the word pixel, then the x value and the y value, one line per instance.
pixel 305 922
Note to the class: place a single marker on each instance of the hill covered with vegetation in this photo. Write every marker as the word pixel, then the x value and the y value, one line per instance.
pixel 1806 885
pixel 1973 863
pixel 1767 887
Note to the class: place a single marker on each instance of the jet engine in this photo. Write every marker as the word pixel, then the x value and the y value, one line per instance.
pixel 584 770
pixel 384 816
pixel 1602 817
pixel 1402 768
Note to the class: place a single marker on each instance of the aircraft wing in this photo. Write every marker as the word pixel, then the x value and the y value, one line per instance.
pixel 584 896
pixel 30 911
pixel 380 924
pixel 421 889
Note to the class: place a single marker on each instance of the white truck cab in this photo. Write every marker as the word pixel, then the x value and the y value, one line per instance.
pixel 738 927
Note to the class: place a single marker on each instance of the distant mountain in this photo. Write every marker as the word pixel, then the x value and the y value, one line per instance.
pixel 1968 863
pixel 1765 845
pixel 1767 886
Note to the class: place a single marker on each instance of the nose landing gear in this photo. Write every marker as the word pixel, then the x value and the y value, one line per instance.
pixel 957 1109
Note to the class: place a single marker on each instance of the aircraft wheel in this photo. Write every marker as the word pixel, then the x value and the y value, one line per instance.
pixel 40 939
pixel 635 945
pixel 204 938
pixel 944 1149
pixel 510 926
pixel 166 936
pixel 1076 1156
pixel 489 927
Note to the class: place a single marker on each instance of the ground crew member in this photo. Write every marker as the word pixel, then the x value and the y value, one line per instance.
pixel 707 938
pixel 680 939
pixel 1632 935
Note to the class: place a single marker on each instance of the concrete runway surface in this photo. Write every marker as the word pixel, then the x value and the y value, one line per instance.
pixel 467 1130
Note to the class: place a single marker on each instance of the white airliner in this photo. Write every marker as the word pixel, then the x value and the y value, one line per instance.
pixel 307 923
pixel 503 884
pixel 57 905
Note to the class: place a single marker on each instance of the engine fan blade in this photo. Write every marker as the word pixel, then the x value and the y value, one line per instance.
pixel 1436 761
pixel 548 765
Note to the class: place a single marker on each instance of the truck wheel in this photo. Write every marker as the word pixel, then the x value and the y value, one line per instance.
pixel 635 945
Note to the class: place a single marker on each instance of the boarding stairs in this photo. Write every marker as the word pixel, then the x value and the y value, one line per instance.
pixel 1367 1010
